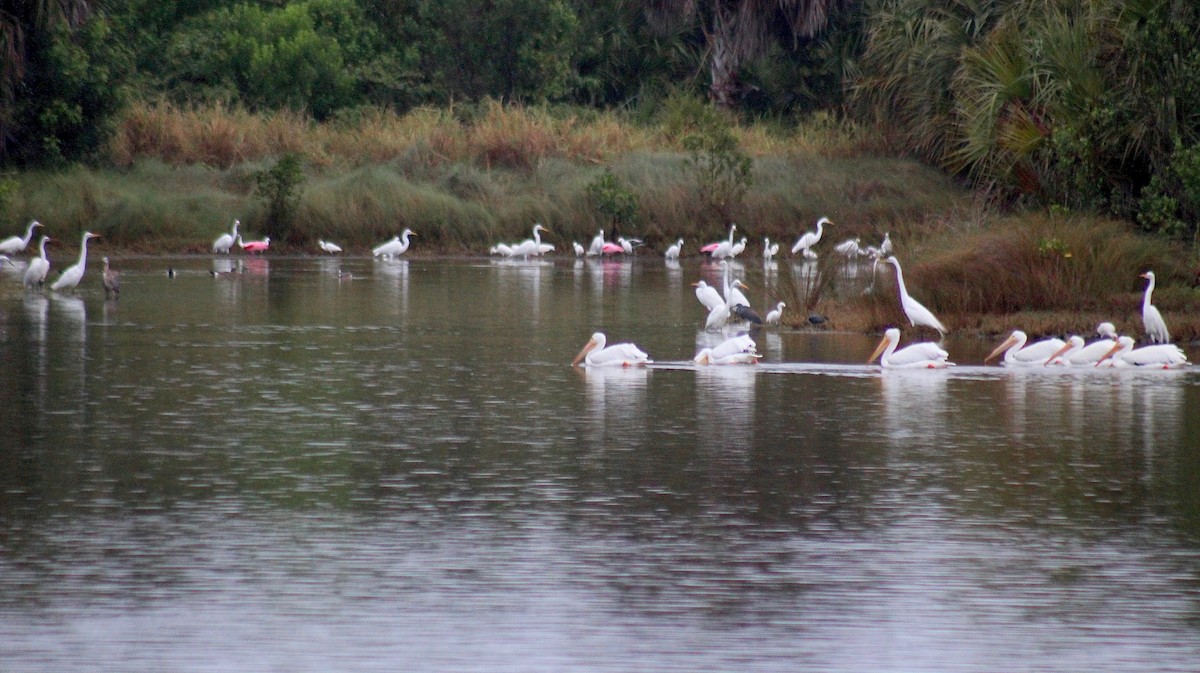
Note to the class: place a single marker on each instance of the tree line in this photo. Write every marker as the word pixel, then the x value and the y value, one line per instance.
pixel 1079 104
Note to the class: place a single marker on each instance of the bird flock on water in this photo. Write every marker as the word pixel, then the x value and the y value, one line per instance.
pixel 723 306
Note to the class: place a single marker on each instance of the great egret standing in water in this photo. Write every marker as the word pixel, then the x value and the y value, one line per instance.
pixel 73 274
pixel 224 242
pixel 1151 318
pixel 808 240
pixel 397 246
pixel 14 244
pixel 915 311
pixel 39 267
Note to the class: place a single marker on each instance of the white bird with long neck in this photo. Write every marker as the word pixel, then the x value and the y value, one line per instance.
pixel 1156 328
pixel 769 249
pixel 733 296
pixel 1163 356
pixel 848 247
pixel 885 247
pixel 73 274
pixel 1018 354
pixel 39 267
pixel 924 355
pixel 708 295
pixel 597 246
pixel 673 251
pixel 914 310
pixel 775 314
pixel 329 246
pixel 580 251
pixel 395 247
pixel 596 354
pixel 224 242
pixel 1075 353
pixel 531 246
pixel 808 240
pixel 721 249
pixel 14 244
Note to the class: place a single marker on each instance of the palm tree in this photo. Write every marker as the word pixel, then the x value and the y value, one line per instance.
pixel 736 31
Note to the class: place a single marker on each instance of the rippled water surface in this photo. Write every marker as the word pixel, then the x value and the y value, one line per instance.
pixel 279 469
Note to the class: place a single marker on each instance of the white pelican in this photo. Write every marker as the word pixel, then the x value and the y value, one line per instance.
pixel 39 267
pixel 1165 356
pixel 708 295
pixel 73 274
pixel 1075 353
pixel 397 246
pixel 224 242
pixel 595 354
pixel 579 249
pixel 112 281
pixel 673 251
pixel 738 350
pixel 14 244
pixel 721 249
pixel 849 247
pixel 1155 327
pixel 769 249
pixel 924 355
pixel 811 238
pixel 916 312
pixel 1017 354
pixel 775 314
pixel 329 246
pixel 597 246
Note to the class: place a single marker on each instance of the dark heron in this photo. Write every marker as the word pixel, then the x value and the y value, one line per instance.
pixel 112 281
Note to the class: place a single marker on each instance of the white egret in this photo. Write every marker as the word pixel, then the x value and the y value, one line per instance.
pixel 769 249
pixel 733 296
pixel 721 249
pixel 916 312
pixel 73 274
pixel 14 244
pixel 628 244
pixel 1151 318
pixel 738 248
pixel 774 315
pixel 329 246
pixel 808 240
pixel 39 267
pixel 708 295
pixel 717 317
pixel 502 249
pixel 673 251
pixel 397 246
pixel 1017 354
pixel 596 354
pixel 885 248
pixel 531 246
pixel 224 242
pixel 848 247
pixel 112 281
pixel 597 245
pixel 579 249
pixel 924 355
pixel 1164 356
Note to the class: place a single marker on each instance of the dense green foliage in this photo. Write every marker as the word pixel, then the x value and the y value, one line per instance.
pixel 280 188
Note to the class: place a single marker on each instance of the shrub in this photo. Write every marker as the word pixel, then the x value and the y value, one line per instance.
pixel 279 187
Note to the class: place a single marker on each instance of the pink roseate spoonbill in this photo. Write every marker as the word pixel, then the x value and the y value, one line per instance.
pixel 775 314
pixel 1018 354
pixel 915 311
pixel 329 246
pixel 596 354
pixel 1162 356
pixel 254 247
pixel 611 248
pixel 224 242
pixel 39 267
pixel 14 244
pixel 395 247
pixel 73 274
pixel 808 240
pixel 112 281
pixel 673 251
pixel 1156 328
pixel 925 355
pixel 769 249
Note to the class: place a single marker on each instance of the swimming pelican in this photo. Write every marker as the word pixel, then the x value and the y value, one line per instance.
pixel 673 251
pixel 808 240
pixel 329 246
pixel 924 355
pixel 720 249
pixel 579 249
pixel 775 314
pixel 916 312
pixel 769 249
pixel 14 244
pixel 595 354
pixel 1017 354
pixel 849 247
pixel 224 242
pixel 708 295
pixel 39 267
pixel 736 350
pixel 112 281
pixel 1165 356
pixel 254 246
pixel 597 245
pixel 73 274
pixel 1076 353
pixel 1155 327
pixel 397 246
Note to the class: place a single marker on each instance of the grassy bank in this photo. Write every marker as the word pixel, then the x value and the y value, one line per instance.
pixel 467 178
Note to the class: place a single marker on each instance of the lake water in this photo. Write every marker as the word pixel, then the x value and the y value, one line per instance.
pixel 279 469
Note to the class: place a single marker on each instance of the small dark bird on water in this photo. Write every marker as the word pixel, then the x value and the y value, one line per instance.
pixel 170 272
pixel 112 281
pixel 817 319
